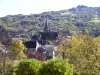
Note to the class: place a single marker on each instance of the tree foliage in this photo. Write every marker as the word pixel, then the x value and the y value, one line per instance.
pixel 5 38
pixel 9 54
pixel 28 67
pixel 17 48
pixel 80 20
pixel 56 67
pixel 84 53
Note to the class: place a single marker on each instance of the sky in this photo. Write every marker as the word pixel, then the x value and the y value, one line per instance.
pixel 26 7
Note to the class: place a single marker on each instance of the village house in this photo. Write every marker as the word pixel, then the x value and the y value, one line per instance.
pixel 39 46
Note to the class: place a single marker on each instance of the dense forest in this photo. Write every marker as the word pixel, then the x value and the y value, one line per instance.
pixel 78 20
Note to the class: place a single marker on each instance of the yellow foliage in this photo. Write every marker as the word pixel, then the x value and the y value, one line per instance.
pixel 17 48
pixel 83 52
pixel 18 44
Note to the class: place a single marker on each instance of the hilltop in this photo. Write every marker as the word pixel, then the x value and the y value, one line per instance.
pixel 77 20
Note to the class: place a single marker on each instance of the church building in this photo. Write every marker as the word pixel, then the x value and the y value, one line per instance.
pixel 39 46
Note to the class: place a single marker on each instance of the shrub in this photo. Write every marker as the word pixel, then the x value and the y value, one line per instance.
pixel 28 67
pixel 56 67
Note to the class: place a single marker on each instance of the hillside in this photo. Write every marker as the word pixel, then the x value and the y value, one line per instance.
pixel 78 20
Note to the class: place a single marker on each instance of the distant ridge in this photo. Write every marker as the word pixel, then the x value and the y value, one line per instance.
pixel 78 20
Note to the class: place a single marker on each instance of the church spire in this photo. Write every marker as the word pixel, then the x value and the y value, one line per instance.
pixel 46 27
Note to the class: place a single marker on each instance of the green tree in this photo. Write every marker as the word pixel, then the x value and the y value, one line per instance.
pixel 28 67
pixel 56 67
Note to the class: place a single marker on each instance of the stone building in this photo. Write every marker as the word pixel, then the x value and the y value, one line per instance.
pixel 39 46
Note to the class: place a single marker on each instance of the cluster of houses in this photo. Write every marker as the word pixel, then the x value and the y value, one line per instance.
pixel 42 45
pixel 39 47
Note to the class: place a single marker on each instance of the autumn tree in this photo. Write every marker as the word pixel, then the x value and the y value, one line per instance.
pixel 17 48
pixel 84 53
pixel 12 54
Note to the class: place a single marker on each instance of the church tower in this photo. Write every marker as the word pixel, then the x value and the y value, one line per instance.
pixel 46 27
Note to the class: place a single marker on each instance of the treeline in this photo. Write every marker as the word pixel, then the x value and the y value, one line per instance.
pixel 77 55
pixel 78 20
